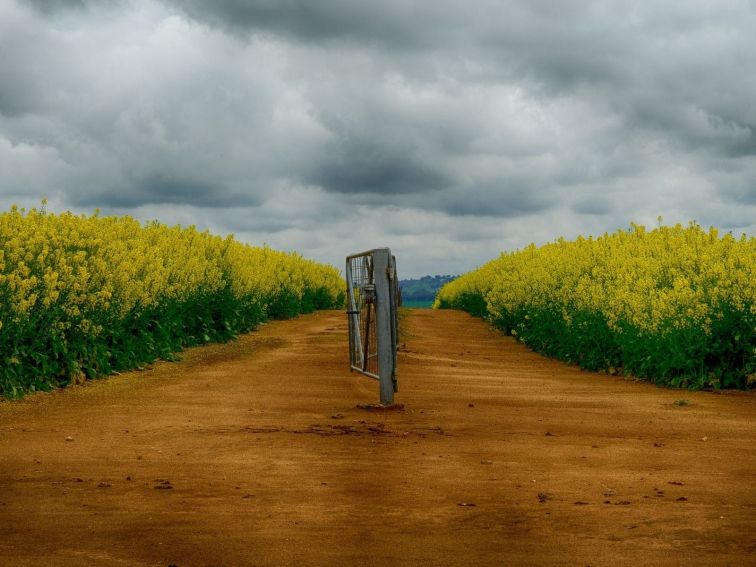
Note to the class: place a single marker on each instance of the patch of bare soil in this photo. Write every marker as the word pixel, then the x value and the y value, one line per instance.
pixel 267 451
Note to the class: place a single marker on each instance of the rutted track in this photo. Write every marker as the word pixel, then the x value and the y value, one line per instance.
pixel 255 453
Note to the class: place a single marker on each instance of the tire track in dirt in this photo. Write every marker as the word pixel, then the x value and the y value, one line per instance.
pixel 255 453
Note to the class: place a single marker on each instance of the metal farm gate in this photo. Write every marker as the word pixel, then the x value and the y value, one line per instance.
pixel 373 299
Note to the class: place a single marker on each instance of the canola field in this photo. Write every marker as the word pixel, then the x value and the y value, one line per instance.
pixel 674 305
pixel 84 296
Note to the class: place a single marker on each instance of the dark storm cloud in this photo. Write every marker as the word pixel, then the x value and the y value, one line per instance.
pixel 512 120
pixel 27 68
pixel 593 206
pixel 160 190
pixel 50 6
pixel 369 166
pixel 387 175
pixel 502 200
pixel 675 71
pixel 390 22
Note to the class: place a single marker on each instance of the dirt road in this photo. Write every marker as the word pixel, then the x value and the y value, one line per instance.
pixel 255 453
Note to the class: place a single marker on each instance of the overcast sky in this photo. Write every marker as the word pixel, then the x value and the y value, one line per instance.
pixel 447 130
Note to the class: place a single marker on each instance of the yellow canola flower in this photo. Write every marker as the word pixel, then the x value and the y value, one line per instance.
pixel 82 267
pixel 669 277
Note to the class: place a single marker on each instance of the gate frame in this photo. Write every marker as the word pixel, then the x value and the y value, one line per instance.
pixel 387 299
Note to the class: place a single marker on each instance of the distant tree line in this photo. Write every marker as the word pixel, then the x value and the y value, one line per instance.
pixel 423 289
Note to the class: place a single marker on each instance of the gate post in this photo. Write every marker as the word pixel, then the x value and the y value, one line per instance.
pixel 383 269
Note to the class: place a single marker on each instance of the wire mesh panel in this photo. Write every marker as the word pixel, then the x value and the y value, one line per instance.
pixel 363 340
pixel 372 311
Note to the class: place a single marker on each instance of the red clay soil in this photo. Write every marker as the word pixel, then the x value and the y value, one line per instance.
pixel 255 453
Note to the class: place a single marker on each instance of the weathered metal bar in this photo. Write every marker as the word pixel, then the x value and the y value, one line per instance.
pixel 352 317
pixel 350 311
pixel 366 338
pixel 384 316
pixel 395 293
pixel 357 255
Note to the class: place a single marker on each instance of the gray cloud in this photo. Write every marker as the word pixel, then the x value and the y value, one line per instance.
pixel 448 130
pixel 359 162
pixel 593 205
pixel 160 189
pixel 389 23
pixel 50 6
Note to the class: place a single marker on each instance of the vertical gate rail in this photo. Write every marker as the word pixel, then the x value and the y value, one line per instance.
pixel 373 299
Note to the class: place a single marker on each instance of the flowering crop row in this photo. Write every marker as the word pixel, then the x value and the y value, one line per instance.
pixel 675 305
pixel 83 296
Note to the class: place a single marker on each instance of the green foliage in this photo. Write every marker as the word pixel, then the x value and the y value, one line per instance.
pixel 82 297
pixel 473 303
pixel 675 306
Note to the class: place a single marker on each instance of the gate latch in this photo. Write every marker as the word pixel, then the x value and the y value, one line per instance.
pixel 369 291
